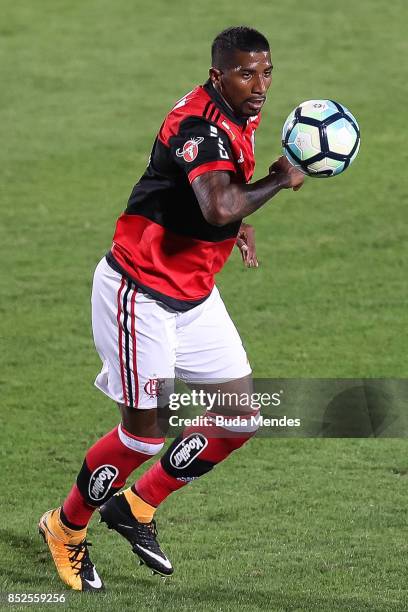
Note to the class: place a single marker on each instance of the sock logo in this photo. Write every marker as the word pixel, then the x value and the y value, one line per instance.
pixel 187 450
pixel 101 481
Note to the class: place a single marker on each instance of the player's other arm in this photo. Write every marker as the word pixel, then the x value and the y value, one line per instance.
pixel 222 201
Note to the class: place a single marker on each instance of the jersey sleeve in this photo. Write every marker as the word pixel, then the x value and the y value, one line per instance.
pixel 201 146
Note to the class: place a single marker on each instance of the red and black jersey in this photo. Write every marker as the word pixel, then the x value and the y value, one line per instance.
pixel 162 240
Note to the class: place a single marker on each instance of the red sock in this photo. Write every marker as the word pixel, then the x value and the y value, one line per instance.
pixel 191 455
pixel 107 465
pixel 75 512
pixel 155 485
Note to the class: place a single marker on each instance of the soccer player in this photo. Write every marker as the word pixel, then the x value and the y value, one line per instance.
pixel 157 315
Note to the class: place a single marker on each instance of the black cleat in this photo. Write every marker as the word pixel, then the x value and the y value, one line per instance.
pixel 117 515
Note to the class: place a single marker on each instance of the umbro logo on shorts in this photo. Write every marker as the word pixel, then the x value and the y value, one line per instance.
pixel 101 481
pixel 187 450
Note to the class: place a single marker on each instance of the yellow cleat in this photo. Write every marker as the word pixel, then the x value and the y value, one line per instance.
pixel 69 549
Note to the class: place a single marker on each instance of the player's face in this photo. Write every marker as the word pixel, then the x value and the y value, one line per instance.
pixel 245 83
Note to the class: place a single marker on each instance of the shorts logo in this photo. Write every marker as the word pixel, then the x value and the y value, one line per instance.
pixel 154 386
pixel 187 450
pixel 101 481
pixel 190 149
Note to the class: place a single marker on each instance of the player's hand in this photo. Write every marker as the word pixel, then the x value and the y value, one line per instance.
pixel 246 244
pixel 290 176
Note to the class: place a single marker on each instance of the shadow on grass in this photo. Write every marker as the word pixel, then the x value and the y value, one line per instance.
pixel 188 597
pixel 30 564
pixel 236 597
pixel 28 555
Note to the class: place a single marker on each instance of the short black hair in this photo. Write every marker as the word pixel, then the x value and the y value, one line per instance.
pixel 239 38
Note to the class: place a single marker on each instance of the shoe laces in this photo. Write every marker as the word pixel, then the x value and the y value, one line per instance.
pixel 79 557
pixel 152 528
pixel 148 534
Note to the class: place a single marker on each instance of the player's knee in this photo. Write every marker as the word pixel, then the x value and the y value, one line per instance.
pixel 150 423
pixel 236 430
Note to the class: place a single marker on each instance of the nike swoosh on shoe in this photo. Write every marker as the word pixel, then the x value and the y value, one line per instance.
pixel 162 560
pixel 96 583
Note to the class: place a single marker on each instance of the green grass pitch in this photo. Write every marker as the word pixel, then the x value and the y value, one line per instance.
pixel 284 525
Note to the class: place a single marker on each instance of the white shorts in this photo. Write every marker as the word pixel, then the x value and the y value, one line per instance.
pixel 143 343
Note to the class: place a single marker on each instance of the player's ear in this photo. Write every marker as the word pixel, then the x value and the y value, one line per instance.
pixel 215 75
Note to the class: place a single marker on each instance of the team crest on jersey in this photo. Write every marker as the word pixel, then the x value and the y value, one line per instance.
pixel 190 149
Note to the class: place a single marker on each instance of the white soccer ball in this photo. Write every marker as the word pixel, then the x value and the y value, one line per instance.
pixel 321 138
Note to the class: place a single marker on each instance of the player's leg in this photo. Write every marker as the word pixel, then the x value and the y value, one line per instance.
pixel 118 512
pixel 106 466
pixel 120 317
pixel 210 351
pixel 197 450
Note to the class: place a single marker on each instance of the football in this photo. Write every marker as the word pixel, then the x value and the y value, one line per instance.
pixel 321 138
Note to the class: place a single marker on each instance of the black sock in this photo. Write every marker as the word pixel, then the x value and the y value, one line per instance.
pixel 68 523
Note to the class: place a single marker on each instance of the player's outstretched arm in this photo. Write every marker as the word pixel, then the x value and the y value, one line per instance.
pixel 223 201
